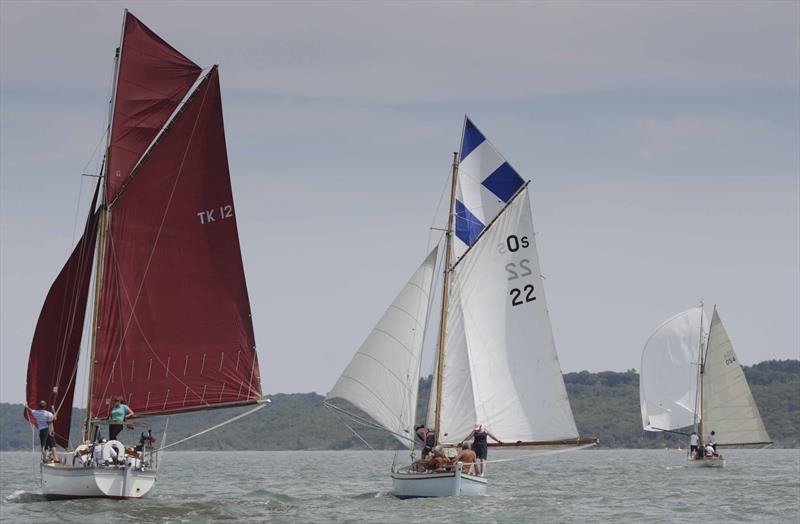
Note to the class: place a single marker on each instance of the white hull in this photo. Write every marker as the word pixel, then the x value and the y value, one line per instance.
pixel 449 484
pixel 706 462
pixel 60 481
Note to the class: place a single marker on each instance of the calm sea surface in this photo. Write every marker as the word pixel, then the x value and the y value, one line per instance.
pixel 351 486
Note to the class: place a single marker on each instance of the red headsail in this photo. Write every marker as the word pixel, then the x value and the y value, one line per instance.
pixel 175 332
pixel 53 361
pixel 152 80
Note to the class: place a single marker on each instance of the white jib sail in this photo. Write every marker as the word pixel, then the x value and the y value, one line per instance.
pixel 501 368
pixel 669 371
pixel 728 408
pixel 382 379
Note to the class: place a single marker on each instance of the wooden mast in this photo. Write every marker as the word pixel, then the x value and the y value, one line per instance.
pixel 445 292
pixel 702 371
pixel 88 433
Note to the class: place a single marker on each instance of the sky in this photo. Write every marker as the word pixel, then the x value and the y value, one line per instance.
pixel 662 140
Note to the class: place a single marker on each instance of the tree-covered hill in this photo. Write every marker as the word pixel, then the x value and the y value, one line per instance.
pixel 606 405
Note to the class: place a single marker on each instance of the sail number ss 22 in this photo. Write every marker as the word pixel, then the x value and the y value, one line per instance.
pixel 521 293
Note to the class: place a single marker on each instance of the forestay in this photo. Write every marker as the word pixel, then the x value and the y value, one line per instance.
pixel 728 408
pixel 669 372
pixel 501 368
pixel 382 378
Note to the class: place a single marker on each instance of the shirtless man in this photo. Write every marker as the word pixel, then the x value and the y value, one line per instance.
pixel 467 457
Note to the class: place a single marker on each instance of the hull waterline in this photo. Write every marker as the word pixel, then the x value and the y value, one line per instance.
pixel 706 462
pixel 448 484
pixel 121 482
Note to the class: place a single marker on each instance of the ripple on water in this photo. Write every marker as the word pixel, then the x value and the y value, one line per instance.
pixel 588 486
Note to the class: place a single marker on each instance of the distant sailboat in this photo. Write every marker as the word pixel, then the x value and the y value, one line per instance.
pixel 171 329
pixel 496 363
pixel 692 380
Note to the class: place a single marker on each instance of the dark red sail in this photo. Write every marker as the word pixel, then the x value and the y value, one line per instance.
pixel 175 332
pixel 153 78
pixel 55 349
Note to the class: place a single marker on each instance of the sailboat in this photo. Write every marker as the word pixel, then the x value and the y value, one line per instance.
pixel 171 330
pixel 496 363
pixel 691 377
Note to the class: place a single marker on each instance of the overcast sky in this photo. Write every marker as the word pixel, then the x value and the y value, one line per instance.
pixel 662 141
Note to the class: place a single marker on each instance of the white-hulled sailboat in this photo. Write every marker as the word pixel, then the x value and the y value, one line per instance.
pixel 693 380
pixel 496 363
pixel 171 330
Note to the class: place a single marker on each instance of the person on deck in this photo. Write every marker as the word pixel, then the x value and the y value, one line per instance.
pixel 427 437
pixel 694 442
pixel 440 460
pixel 480 445
pixel 104 454
pixel 118 415
pixel 43 419
pixel 467 457
pixel 712 441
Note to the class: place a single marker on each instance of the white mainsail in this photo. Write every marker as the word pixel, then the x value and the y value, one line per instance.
pixel 500 365
pixel 728 407
pixel 669 371
pixel 382 379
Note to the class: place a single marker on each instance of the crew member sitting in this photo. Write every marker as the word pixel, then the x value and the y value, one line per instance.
pixel 467 457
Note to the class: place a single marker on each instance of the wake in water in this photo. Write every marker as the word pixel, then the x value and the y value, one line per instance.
pixel 21 495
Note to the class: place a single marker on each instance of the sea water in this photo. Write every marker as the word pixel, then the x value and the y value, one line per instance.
pixel 593 485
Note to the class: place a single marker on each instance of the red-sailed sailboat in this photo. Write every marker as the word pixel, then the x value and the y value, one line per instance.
pixel 171 330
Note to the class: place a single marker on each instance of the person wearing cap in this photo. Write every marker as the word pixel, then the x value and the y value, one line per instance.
pixel 118 415
pixel 712 441
pixel 427 437
pixel 43 419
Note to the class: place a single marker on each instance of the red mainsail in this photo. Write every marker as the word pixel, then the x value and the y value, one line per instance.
pixel 55 349
pixel 174 328
pixel 152 80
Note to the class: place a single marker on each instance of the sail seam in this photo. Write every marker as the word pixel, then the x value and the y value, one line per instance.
pixel 398 379
pixel 376 396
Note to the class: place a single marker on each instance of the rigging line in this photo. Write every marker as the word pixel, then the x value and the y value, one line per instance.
pixel 352 430
pixel 671 431
pixel 71 306
pixel 260 406
pixel 70 309
pixel 160 229
pixel 141 330
pixel 365 422
pixel 407 409
pixel 435 213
